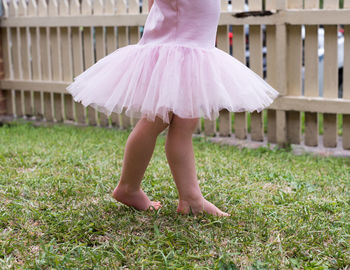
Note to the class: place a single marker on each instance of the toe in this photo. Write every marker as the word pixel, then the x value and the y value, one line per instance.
pixel 155 205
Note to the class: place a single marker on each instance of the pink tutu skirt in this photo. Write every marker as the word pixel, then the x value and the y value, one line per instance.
pixel 170 71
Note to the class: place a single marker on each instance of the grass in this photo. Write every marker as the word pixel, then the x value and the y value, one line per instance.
pixel 56 212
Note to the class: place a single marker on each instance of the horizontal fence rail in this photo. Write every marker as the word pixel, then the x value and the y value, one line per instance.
pixel 300 49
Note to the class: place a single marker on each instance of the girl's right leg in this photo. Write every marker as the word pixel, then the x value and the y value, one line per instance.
pixel 179 152
pixel 138 152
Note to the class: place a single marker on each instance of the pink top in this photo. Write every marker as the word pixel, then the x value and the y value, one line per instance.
pixel 185 22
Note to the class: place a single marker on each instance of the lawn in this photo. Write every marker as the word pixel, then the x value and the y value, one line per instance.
pixel 56 212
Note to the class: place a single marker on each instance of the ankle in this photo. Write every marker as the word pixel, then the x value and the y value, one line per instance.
pixel 124 187
pixel 192 197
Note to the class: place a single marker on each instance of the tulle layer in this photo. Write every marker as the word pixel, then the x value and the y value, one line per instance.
pixel 151 80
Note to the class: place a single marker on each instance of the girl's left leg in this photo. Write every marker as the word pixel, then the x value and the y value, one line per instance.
pixel 180 155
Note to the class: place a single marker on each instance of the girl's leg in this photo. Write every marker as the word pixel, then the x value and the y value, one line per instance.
pixel 179 152
pixel 138 152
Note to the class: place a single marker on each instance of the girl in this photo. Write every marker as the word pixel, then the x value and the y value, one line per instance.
pixel 173 76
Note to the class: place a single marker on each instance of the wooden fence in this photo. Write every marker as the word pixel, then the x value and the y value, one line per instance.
pixel 47 43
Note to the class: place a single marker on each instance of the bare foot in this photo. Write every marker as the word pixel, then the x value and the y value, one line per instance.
pixel 137 199
pixel 199 206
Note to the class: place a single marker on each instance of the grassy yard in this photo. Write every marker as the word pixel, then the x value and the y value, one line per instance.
pixel 56 212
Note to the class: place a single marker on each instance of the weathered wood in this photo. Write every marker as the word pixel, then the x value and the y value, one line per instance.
pixel 238 50
pixel 311 128
pixel 6 72
pixel 98 7
pixel 67 61
pixel 224 5
pixel 110 7
pixel 281 124
pixel 225 123
pixel 25 97
pixel 145 7
pixel 134 36
pixel 123 33
pixel 111 42
pixel 25 70
pixel 17 95
pixel 294 59
pixel 311 4
pixel 347 4
pixel 133 7
pixel 237 5
pixel 209 127
pixel 5 34
pixel 296 4
pixel 44 44
pixel 78 68
pixel 311 83
pixel 224 115
pixel 89 57
pixel 3 107
pixel 293 127
pixel 272 69
pixel 121 7
pixel 311 104
pixel 67 69
pixel 346 82
pixel 281 83
pixel 75 8
pixel 330 76
pixel 5 8
pixel 53 8
pixel 295 17
pixel 36 67
pixel 22 8
pixel 100 53
pixel 198 128
pixel 271 5
pixel 255 46
pixel 255 5
pixel 271 65
pixel 55 61
pixel 13 8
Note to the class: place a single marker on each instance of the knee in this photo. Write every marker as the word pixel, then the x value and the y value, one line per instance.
pixel 155 127
pixel 185 125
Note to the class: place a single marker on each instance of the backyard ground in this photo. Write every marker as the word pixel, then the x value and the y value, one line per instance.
pixel 56 210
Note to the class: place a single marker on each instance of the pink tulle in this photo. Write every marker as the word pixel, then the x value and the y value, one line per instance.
pixel 151 80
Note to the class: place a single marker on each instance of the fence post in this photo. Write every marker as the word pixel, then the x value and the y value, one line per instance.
pixel 238 51
pixel 294 63
pixel 2 98
pixel 256 64
pixel 330 77
pixel 281 82
pixel 346 81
